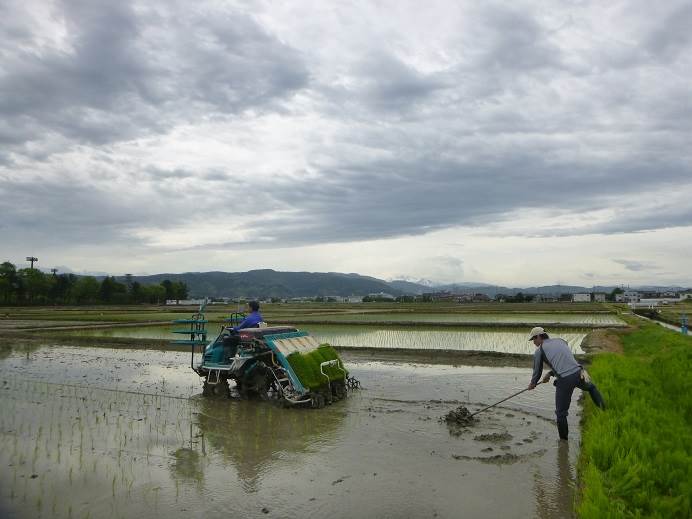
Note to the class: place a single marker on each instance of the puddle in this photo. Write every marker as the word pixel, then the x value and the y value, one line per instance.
pixel 101 432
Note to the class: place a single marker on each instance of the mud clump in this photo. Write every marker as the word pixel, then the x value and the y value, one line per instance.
pixel 494 437
pixel 460 417
pixel 506 458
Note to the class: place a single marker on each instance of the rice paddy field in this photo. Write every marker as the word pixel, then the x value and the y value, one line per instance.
pixel 672 313
pixel 490 327
pixel 94 432
pixel 88 430
pixel 589 313
pixel 507 340
pixel 583 319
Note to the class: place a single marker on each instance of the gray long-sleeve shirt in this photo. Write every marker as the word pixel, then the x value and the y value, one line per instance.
pixel 558 356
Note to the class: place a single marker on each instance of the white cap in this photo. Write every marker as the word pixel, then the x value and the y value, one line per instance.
pixel 538 330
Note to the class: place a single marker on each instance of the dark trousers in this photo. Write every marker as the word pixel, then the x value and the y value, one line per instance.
pixel 564 387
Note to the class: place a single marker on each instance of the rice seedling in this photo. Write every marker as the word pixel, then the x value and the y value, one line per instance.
pixel 507 340
pixel 307 366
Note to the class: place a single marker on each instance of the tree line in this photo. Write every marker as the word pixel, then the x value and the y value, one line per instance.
pixel 30 286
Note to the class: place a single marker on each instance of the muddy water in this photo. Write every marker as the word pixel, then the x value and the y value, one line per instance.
pixel 122 433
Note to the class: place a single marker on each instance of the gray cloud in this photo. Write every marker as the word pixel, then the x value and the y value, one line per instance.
pixel 513 40
pixel 413 196
pixel 65 212
pixel 388 83
pixel 637 266
pixel 123 71
pixel 512 111
pixel 671 37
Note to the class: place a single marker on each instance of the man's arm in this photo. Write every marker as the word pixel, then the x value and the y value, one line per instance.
pixel 537 368
pixel 244 324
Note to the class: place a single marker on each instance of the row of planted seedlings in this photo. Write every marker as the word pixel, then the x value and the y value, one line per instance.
pixel 596 319
pixel 65 446
pixel 509 340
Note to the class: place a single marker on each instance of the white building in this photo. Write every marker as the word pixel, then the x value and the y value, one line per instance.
pixel 344 299
pixel 581 298
pixel 382 295
pixel 628 296
pixel 599 297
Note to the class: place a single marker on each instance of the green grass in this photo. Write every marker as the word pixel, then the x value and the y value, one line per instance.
pixel 307 367
pixel 636 458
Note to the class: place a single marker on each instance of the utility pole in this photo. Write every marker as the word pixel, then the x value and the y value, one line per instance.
pixel 54 271
pixel 32 260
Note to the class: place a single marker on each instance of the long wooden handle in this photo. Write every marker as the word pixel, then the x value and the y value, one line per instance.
pixel 503 400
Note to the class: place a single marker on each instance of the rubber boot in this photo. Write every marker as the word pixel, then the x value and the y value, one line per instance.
pixel 596 397
pixel 562 428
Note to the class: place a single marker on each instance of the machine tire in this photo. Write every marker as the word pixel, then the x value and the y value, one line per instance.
pixel 221 389
pixel 265 385
pixel 338 390
pixel 271 390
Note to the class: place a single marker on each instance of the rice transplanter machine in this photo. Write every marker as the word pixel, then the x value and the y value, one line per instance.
pixel 279 363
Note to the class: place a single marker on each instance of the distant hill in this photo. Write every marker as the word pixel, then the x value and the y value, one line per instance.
pixel 268 283
pixel 493 290
pixel 409 287
pixel 271 283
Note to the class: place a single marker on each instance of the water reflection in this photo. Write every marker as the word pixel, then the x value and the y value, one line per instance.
pixel 8 347
pixel 252 435
pixel 555 496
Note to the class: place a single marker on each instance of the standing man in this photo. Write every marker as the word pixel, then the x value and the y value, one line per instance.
pixel 569 374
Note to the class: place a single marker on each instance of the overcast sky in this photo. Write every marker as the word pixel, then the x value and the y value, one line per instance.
pixel 516 143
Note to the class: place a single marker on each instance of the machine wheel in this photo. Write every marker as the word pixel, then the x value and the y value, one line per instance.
pixel 264 384
pixel 216 390
pixel 271 390
pixel 317 401
pixel 338 390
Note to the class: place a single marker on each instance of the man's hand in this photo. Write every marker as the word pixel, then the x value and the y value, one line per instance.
pixel 546 379
pixel 531 385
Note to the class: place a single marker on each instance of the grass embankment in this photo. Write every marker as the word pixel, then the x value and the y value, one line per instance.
pixel 636 458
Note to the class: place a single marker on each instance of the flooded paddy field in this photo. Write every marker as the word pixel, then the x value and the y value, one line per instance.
pixel 95 432
pixel 526 319
pixel 518 314
pixel 504 340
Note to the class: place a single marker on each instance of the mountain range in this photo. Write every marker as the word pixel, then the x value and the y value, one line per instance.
pixel 267 283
